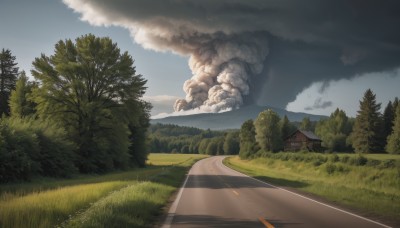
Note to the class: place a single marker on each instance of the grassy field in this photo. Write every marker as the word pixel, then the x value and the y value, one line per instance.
pixel 373 188
pixel 124 199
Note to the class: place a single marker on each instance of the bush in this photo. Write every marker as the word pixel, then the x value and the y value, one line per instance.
pixel 31 147
pixel 330 168
pixel 358 161
pixel 373 163
pixel 334 158
pixel 391 163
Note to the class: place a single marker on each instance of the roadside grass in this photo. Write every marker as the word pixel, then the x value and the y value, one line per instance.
pixel 130 198
pixel 370 189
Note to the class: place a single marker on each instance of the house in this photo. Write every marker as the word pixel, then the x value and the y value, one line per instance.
pixel 302 140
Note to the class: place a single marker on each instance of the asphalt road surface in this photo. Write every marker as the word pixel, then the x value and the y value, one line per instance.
pixel 214 195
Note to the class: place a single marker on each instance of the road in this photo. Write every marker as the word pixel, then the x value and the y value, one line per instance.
pixel 214 195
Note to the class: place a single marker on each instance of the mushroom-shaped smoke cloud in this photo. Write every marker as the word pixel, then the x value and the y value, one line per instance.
pixel 264 49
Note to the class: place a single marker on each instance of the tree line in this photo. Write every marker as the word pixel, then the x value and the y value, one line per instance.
pixel 82 113
pixel 168 138
pixel 370 132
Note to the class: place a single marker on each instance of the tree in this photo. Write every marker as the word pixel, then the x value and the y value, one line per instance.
pixel 92 89
pixel 247 139
pixel 334 131
pixel 267 130
pixel 393 140
pixel 395 104
pixel 388 120
pixel 306 124
pixel 8 78
pixel 286 128
pixel 20 104
pixel 231 143
pixel 367 127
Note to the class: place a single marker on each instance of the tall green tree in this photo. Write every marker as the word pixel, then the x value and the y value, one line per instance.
pixel 334 131
pixel 267 129
pixel 93 90
pixel 20 102
pixel 231 143
pixel 286 127
pixel 366 135
pixel 247 139
pixel 8 78
pixel 393 141
pixel 388 119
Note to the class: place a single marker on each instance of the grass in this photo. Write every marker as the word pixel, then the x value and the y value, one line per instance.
pixel 130 198
pixel 369 189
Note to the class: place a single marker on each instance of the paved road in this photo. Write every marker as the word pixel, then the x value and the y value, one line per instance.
pixel 214 195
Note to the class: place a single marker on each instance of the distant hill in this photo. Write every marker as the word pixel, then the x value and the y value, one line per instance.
pixel 232 119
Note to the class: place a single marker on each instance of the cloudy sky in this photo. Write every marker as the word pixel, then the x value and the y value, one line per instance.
pixel 213 55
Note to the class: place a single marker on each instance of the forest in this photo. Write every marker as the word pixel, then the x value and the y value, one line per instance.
pixel 82 113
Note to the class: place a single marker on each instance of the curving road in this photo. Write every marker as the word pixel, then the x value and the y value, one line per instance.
pixel 214 195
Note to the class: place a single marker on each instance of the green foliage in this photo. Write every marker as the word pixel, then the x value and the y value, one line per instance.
pixel 388 119
pixel 8 78
pixel 168 138
pixel 334 131
pixel 393 140
pixel 231 143
pixel 20 103
pixel 306 124
pixel 267 131
pixel 286 127
pixel 30 147
pixel 92 90
pixel 366 135
pixel 247 139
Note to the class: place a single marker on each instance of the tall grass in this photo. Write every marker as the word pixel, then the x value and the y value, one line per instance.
pixel 371 189
pixel 91 198
pixel 128 207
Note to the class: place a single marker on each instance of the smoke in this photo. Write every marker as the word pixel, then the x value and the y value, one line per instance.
pixel 222 66
pixel 262 51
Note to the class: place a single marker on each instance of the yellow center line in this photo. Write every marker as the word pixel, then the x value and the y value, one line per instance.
pixel 236 193
pixel 266 224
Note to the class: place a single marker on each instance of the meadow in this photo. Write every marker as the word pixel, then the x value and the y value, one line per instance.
pixel 122 199
pixel 370 184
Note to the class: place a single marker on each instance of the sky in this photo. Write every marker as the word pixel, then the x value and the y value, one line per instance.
pixel 211 56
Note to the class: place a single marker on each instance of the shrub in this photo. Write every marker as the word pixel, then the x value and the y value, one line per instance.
pixel 358 161
pixel 334 158
pixel 31 147
pixel 330 168
pixel 373 162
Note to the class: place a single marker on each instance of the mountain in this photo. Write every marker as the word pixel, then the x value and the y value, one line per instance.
pixel 230 120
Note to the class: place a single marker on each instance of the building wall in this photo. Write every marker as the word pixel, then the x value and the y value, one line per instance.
pixel 298 141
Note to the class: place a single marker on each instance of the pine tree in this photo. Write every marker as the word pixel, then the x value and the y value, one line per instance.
pixel 367 128
pixel 393 141
pixel 285 127
pixel 395 104
pixel 19 102
pixel 388 118
pixel 8 78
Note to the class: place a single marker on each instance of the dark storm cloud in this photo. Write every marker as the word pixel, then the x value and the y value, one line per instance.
pixel 264 51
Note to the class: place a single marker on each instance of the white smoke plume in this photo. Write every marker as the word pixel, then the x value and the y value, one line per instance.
pixel 222 66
